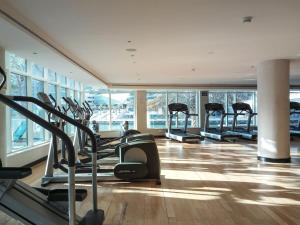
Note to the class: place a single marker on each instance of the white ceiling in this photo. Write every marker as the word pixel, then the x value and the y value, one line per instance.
pixel 171 37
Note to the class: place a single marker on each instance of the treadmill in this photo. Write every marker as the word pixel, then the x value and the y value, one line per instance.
pixel 295 110
pixel 218 133
pixel 180 135
pixel 241 108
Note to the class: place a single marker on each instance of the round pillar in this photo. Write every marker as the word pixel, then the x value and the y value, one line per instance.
pixel 273 111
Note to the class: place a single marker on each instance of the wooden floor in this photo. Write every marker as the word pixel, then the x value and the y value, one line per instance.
pixel 204 184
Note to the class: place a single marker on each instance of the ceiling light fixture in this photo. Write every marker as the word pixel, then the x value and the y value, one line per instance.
pixel 247 19
pixel 130 50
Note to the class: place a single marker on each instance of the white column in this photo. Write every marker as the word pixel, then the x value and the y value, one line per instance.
pixel 3 128
pixel 273 111
pixel 141 111
pixel 203 101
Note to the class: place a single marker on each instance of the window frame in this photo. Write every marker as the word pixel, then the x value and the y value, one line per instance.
pixel 29 77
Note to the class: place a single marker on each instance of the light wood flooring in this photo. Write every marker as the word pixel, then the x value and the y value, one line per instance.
pixel 204 184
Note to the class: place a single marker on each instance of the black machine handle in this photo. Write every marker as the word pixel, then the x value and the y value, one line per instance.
pixel 61 115
pixel 86 108
pixel 79 108
pixel 89 107
pixel 10 101
pixel 54 100
pixel 4 78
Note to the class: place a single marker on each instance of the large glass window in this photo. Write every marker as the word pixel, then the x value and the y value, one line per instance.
pixel 246 97
pixel 111 109
pixel 24 134
pixel 38 131
pixel 101 107
pixel 52 90
pixel 156 109
pixel 51 76
pixel 295 118
pixel 37 71
pixel 122 109
pixel 227 99
pixel 19 124
pixel 190 99
pixel 62 80
pixel 71 83
pixel 172 98
pixel 17 63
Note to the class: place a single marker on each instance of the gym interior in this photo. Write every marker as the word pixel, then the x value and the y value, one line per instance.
pixel 150 112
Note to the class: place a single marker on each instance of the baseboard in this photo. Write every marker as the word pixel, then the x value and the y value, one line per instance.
pixel 271 160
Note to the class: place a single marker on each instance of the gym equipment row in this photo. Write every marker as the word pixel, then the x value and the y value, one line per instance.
pixel 40 206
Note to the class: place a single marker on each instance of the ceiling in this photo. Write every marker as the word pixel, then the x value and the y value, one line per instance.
pixel 177 42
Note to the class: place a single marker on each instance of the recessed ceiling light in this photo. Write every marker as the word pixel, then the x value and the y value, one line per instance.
pixel 247 19
pixel 130 50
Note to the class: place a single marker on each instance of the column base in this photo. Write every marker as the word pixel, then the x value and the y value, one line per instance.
pixel 271 160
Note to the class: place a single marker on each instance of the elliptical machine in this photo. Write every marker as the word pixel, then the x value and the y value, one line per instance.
pixel 138 160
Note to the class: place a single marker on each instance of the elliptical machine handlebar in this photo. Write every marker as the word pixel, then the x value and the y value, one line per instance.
pixel 89 107
pixel 3 78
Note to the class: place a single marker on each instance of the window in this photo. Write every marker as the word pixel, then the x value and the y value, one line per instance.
pixel 37 71
pixel 190 99
pixel 156 110
pixel 122 109
pixel 51 76
pixel 17 63
pixel 295 118
pixel 100 105
pixel 62 80
pixel 19 124
pixel 71 83
pixel 52 90
pixel 77 96
pixel 77 85
pixel 38 131
pixel 172 98
pixel 111 109
pixel 25 133
pixel 249 98
pixel 227 99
